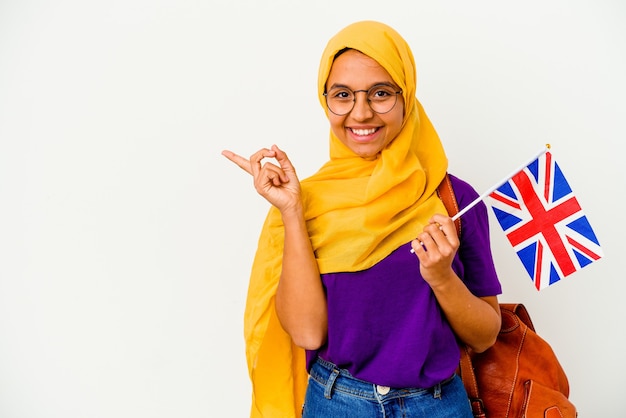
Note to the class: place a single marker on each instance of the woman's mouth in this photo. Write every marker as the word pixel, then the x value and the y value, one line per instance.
pixel 363 132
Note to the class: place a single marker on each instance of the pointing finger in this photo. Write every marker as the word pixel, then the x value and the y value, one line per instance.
pixel 239 160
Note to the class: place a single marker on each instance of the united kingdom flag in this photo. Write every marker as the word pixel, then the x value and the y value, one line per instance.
pixel 544 222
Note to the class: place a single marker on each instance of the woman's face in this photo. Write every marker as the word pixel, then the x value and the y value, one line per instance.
pixel 362 130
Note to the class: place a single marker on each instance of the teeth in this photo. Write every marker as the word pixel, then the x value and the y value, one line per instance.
pixel 363 132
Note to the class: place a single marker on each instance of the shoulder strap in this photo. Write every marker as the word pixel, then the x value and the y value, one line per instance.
pixel 465 369
pixel 446 194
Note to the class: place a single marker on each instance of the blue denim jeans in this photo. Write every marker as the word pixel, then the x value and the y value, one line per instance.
pixel 334 393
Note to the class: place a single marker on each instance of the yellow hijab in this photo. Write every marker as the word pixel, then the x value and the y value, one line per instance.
pixel 357 211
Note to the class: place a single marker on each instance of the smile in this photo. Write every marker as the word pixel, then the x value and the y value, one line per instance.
pixel 363 132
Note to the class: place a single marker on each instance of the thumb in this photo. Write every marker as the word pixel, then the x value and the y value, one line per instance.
pixel 283 160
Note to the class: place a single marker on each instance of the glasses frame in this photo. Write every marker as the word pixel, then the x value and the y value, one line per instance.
pixel 369 102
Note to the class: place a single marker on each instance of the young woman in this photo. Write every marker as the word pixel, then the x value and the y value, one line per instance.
pixel 359 265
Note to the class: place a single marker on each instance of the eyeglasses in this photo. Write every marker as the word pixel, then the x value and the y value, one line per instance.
pixel 381 99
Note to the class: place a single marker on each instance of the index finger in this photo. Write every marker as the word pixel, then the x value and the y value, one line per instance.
pixel 242 162
pixel 445 223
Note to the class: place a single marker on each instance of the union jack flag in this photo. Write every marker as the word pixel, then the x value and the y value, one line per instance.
pixel 544 222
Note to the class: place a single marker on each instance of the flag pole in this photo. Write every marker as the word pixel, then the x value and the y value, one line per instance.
pixel 504 180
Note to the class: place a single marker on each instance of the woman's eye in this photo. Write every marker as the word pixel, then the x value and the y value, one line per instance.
pixel 381 93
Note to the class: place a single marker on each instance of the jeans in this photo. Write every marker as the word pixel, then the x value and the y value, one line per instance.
pixel 334 393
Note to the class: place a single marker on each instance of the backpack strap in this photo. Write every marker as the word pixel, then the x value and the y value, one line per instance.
pixel 465 368
pixel 466 372
pixel 446 194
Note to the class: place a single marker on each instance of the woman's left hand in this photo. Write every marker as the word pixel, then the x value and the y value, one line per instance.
pixel 435 247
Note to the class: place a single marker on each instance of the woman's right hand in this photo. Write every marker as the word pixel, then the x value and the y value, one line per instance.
pixel 278 184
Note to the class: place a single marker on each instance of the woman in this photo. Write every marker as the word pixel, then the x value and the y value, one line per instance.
pixel 359 264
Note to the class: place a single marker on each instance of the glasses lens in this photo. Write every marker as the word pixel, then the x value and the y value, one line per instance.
pixel 340 101
pixel 382 98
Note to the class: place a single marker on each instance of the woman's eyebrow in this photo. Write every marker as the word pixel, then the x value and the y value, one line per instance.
pixel 380 83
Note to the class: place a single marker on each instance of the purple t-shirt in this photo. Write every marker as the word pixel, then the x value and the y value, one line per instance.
pixel 384 323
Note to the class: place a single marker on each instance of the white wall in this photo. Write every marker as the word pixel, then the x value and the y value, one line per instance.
pixel 126 239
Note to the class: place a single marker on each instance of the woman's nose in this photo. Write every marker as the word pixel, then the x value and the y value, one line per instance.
pixel 362 109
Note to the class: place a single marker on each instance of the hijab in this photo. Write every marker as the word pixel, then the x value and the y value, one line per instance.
pixel 357 211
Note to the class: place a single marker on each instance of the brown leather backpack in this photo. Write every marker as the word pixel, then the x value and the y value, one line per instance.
pixel 519 376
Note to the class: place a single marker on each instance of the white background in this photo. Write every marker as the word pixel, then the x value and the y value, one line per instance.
pixel 126 239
